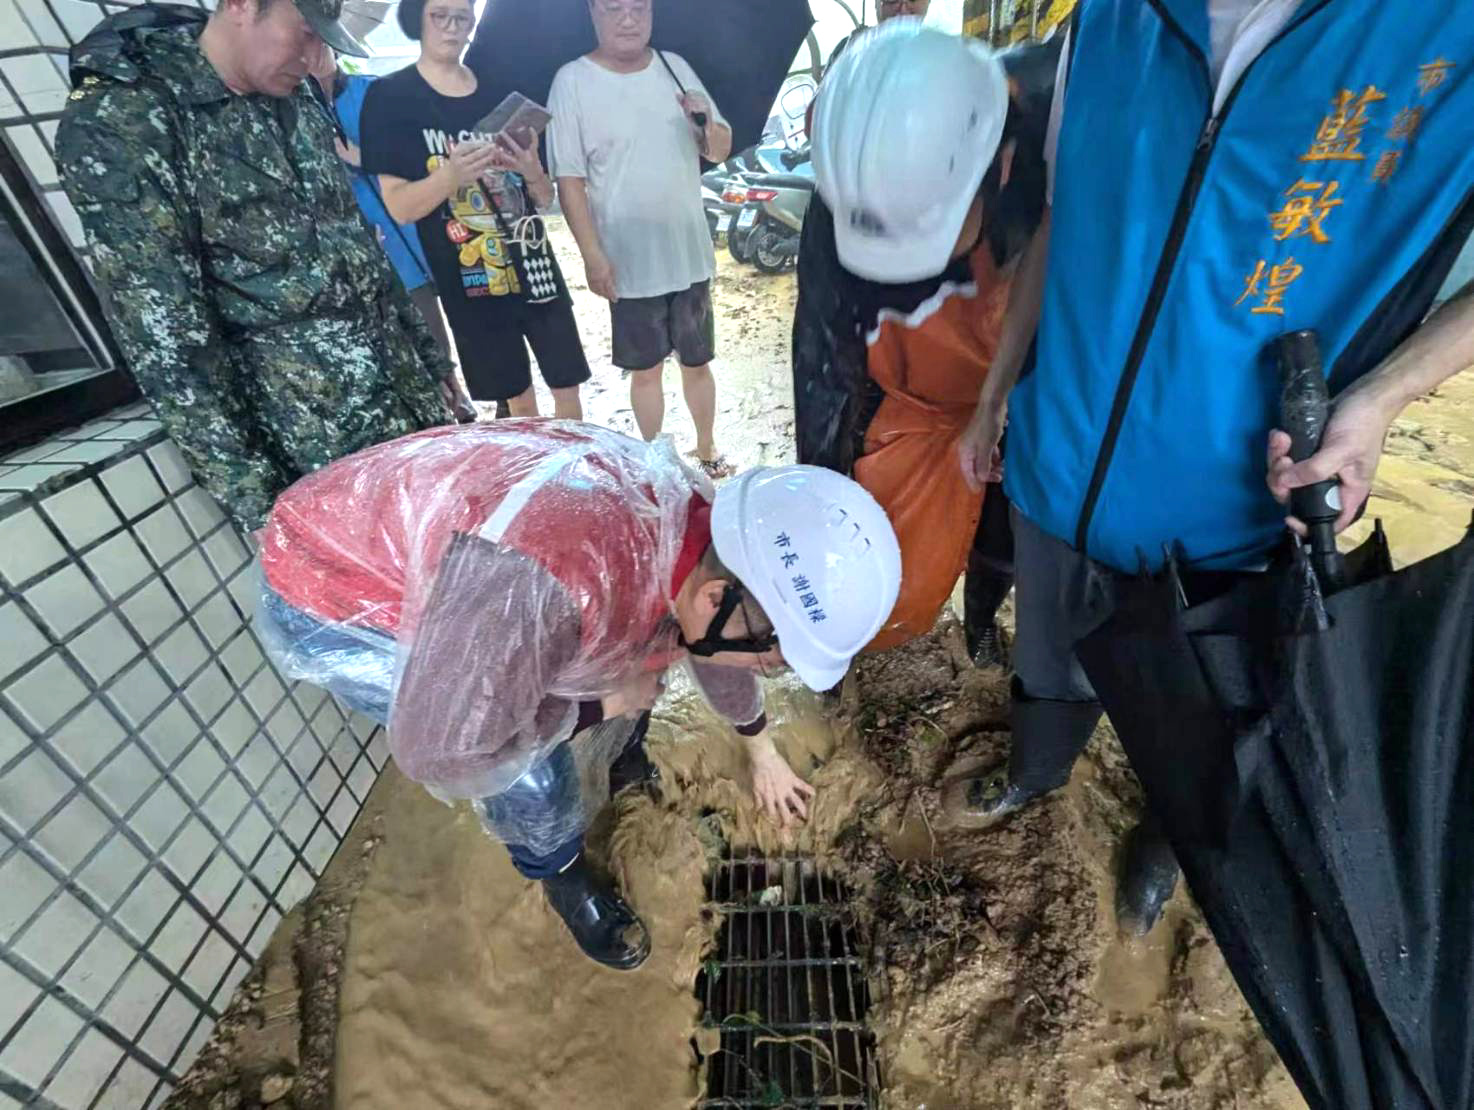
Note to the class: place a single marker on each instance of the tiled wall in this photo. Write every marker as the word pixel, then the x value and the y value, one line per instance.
pixel 164 796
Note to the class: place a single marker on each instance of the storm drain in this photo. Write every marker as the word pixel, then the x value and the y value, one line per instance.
pixel 786 989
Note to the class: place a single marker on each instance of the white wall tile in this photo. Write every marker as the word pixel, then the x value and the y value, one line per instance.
pixel 226 552
pixel 233 978
pixel 234 728
pixel 89 737
pixel 225 803
pixel 26 885
pixel 250 834
pixel 257 761
pixel 160 815
pixel 215 886
pixel 170 465
pixel 30 790
pixel 242 659
pixel 320 848
pixel 264 693
pixel 209 965
pixel 85 1071
pixel 170 734
pixel 27 546
pixel 300 821
pixel 199 770
pixel 362 780
pixel 209 693
pixel 274 864
pixel 152 611
pixel 104 648
pixel 135 999
pixel 16 994
pixel 133 486
pixel 12 740
pixel 145 909
pixel 47 693
pixel 189 850
pixel 298 886
pixel 179 937
pixel 163 534
pixel 166 1033
pixel 286 725
pixel 342 812
pixel 20 639
pixel 69 836
pixel 100 965
pixel 131 1088
pixel 125 778
pixel 80 513
pixel 57 935
pixel 192 579
pixel 218 619
pixel 40 1042
pixel 85 453
pixel 182 653
pixel 112 871
pixel 119 565
pixel 200 512
pixel 192 1045
pixel 138 691
pixel 65 600
pixel 243 910
pixel 261 936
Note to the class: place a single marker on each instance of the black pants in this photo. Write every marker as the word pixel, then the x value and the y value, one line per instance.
pixel 989 566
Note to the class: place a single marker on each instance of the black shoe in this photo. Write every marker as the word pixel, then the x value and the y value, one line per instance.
pixel 1148 877
pixel 985 799
pixel 986 647
pixel 602 922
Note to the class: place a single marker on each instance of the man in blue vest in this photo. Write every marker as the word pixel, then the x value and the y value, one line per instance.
pixel 1223 171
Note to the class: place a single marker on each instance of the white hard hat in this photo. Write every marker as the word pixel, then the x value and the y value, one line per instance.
pixel 907 124
pixel 818 554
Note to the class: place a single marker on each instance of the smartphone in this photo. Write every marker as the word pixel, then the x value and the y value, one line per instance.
pixel 516 117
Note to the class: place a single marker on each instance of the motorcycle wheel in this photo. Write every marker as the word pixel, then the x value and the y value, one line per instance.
pixel 767 255
pixel 739 243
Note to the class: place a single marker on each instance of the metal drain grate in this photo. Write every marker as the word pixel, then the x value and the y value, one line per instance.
pixel 786 989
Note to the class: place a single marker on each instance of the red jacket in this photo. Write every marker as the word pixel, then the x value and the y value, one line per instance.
pixel 523 566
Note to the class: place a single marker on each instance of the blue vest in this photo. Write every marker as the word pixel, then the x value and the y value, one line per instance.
pixel 1332 192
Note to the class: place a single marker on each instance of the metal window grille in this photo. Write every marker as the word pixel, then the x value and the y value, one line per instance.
pixel 786 989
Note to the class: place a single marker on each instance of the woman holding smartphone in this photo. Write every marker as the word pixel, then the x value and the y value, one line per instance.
pixel 474 199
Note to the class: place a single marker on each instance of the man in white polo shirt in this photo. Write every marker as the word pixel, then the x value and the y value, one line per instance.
pixel 630 126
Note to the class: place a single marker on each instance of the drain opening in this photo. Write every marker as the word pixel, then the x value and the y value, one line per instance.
pixel 786 988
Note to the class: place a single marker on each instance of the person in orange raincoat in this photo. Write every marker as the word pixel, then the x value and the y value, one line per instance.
pixel 904 278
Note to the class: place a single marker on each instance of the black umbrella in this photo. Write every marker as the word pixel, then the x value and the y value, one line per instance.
pixel 741 49
pixel 1311 756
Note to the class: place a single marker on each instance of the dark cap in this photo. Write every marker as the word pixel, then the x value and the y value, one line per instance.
pixel 326 18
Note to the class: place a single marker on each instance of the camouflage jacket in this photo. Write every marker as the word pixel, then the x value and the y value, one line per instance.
pixel 252 302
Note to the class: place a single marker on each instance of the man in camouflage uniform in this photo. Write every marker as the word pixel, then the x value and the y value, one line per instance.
pixel 252 302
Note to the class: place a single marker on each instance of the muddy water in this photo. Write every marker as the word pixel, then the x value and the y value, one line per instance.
pixel 999 979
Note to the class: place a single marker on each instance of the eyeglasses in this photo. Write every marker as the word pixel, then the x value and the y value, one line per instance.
pixel 633 9
pixel 451 21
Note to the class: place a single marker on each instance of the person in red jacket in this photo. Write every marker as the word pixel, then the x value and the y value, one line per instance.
pixel 507 597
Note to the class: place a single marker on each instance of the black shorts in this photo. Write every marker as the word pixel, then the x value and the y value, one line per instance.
pixel 493 348
pixel 646 329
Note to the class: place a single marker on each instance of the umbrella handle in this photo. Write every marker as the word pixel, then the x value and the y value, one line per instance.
pixel 1305 405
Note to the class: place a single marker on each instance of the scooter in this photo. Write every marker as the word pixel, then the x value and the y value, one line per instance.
pixel 723 193
pixel 772 221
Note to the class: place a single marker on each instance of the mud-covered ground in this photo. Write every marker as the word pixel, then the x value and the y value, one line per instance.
pixel 425 973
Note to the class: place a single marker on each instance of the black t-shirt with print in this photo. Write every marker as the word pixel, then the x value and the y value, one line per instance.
pixel 407 128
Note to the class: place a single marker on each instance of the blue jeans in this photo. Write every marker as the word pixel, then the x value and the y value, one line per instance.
pixel 358 668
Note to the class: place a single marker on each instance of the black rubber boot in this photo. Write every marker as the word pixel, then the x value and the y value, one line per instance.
pixel 985 799
pixel 602 922
pixel 984 589
pixel 1148 877
pixel 634 768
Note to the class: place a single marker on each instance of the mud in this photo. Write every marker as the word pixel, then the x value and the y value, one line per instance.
pixel 998 977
